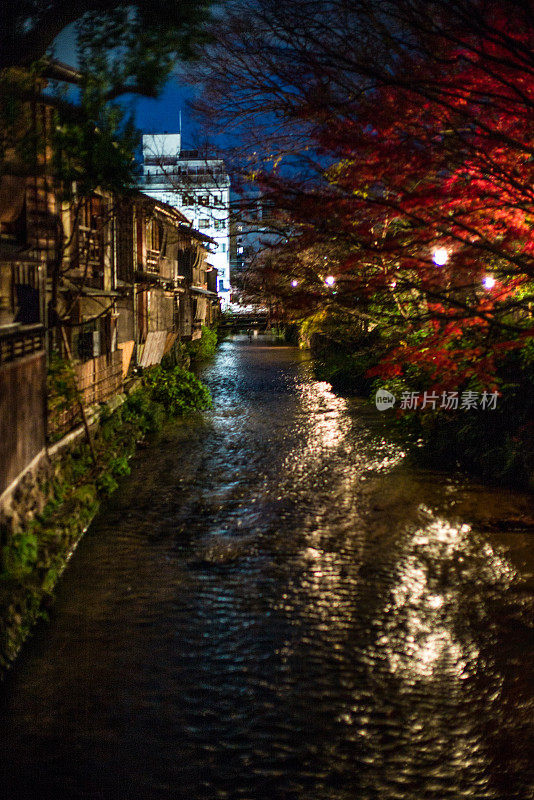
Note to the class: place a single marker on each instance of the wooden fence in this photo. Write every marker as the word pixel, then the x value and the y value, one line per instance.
pixel 97 380
pixel 22 411
pixel 100 378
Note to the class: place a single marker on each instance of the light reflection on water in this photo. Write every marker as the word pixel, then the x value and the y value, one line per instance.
pixel 275 605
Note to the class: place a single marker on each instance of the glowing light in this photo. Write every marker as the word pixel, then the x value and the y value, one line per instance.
pixel 393 284
pixel 294 283
pixel 488 282
pixel 330 280
pixel 440 256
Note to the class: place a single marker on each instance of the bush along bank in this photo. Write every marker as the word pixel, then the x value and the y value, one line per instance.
pixel 53 507
pixel 204 347
pixel 495 444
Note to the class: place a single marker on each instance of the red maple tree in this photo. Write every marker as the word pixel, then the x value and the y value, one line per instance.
pixel 425 208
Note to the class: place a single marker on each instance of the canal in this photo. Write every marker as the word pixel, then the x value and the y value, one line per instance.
pixel 276 606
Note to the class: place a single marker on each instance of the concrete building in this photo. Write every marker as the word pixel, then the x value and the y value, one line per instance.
pixel 199 187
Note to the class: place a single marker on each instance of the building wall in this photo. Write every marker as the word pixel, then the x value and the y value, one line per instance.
pixel 199 188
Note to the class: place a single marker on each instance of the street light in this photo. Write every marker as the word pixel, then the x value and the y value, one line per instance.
pixel 294 283
pixel 440 256
pixel 330 280
pixel 488 282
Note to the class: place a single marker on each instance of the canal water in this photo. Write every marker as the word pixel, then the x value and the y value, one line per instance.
pixel 275 606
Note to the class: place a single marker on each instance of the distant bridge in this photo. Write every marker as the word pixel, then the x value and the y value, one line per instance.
pixel 244 320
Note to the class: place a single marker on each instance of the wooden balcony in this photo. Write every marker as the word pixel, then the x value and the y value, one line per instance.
pixel 18 341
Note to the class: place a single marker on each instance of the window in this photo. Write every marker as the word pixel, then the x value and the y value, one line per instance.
pixel 223 247
pixel 221 285
pixel 219 223
pixel 204 222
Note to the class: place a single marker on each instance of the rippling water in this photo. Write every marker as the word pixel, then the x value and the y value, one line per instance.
pixel 274 605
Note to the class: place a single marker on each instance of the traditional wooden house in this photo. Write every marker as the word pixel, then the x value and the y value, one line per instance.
pixel 87 295
pixel 162 269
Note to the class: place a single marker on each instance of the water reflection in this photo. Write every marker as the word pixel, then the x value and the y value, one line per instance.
pixel 422 609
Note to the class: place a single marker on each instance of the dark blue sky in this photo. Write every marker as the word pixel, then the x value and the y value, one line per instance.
pixel 163 114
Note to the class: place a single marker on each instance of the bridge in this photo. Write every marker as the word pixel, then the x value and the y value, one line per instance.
pixel 242 320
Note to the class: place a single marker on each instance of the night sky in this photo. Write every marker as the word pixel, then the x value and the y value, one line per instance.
pixel 151 116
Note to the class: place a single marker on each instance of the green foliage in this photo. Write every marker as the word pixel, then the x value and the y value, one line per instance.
pixel 78 463
pixel 106 483
pixel 178 356
pixel 311 325
pixel 119 466
pixel 346 372
pixel 96 150
pixel 20 555
pixel 343 352
pixel 85 494
pixel 60 381
pixel 205 347
pixel 178 390
pixel 141 410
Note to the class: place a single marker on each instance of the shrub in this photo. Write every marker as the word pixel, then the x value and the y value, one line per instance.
pixel 20 555
pixel 178 390
pixel 203 348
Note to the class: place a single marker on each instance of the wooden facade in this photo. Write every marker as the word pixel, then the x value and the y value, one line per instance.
pixel 162 263
pixel 28 242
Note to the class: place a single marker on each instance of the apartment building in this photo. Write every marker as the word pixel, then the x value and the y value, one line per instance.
pixel 199 187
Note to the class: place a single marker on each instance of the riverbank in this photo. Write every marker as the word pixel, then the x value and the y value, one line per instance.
pixel 55 502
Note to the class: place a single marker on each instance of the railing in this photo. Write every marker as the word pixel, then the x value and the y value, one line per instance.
pixel 99 378
pixel 19 341
pixel 152 260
